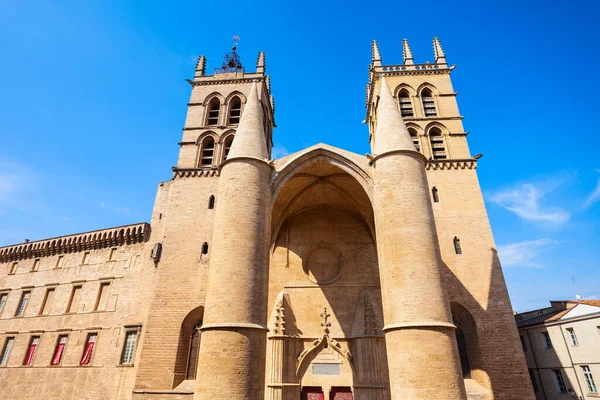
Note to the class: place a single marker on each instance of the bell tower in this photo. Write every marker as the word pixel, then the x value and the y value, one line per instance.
pixel 230 120
pixel 465 295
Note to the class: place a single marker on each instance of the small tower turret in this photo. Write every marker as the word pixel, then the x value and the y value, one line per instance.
pixel 260 63
pixel 375 56
pixel 200 67
pixel 407 55
pixel 438 52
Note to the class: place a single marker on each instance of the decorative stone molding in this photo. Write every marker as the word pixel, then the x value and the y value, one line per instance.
pixel 118 236
pixel 194 172
pixel 451 164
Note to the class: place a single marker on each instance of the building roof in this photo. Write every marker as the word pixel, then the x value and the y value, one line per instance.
pixel 558 310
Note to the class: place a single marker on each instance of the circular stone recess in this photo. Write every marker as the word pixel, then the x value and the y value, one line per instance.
pixel 322 265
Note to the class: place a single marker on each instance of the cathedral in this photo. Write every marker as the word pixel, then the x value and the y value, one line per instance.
pixel 322 275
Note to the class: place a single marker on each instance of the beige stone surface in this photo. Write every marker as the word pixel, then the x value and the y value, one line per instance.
pixel 324 268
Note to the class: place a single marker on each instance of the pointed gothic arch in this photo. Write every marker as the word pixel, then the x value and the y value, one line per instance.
pixel 186 361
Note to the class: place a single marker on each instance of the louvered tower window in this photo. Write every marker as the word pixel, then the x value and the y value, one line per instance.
pixel 227 146
pixel 437 144
pixel 235 110
pixel 213 111
pixel 415 138
pixel 207 151
pixel 406 108
pixel 428 103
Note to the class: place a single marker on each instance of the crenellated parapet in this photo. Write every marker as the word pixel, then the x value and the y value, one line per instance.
pixel 118 236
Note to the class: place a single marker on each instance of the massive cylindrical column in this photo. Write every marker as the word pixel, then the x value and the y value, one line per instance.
pixel 231 363
pixel 420 338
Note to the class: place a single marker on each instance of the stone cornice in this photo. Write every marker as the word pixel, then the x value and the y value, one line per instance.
pixel 469 163
pixel 231 81
pixel 436 118
pixel 194 172
pixel 118 236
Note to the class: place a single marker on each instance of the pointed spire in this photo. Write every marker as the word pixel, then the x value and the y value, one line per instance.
pixel 260 63
pixel 200 67
pixel 375 56
pixel 438 52
pixel 391 132
pixel 407 55
pixel 249 140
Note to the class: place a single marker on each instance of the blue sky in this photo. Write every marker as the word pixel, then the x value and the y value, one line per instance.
pixel 93 98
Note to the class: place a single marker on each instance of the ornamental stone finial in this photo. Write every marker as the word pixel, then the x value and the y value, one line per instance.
pixel 407 55
pixel 260 63
pixel 375 56
pixel 200 67
pixel 325 324
pixel 438 52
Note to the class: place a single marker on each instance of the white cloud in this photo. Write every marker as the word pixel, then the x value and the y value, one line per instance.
pixel 279 151
pixel 524 254
pixel 594 196
pixel 123 210
pixel 526 200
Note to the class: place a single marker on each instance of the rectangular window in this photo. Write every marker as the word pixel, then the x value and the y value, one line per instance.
pixel 60 262
pixel 13 268
pixel 22 304
pixel 129 347
pixel 88 350
pixel 85 260
pixel 523 343
pixel 33 344
pixel 3 297
pixel 547 340
pixel 560 382
pixel 59 350
pixel 112 256
pixel 102 296
pixel 74 299
pixel 589 379
pixel 48 301
pixel 36 265
pixel 573 337
pixel 8 345
pixel 533 381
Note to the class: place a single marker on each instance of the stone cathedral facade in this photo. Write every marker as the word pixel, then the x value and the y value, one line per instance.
pixel 322 275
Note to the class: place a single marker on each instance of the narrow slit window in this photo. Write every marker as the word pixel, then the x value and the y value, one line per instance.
pixel 435 194
pixel 112 256
pixel 129 347
pixel 102 297
pixel 22 304
pixel 406 108
pixel 85 260
pixel 88 350
pixel 207 151
pixel 3 297
pixel 13 268
pixel 48 300
pixel 33 344
pixel 235 110
pixel 205 248
pixel 547 340
pixel 437 144
pixel 74 299
pixel 228 142
pixel 415 138
pixel 214 107
pixel 192 364
pixel 211 202
pixel 36 265
pixel 428 103
pixel 457 248
pixel 60 262
pixel 59 350
pixel 8 345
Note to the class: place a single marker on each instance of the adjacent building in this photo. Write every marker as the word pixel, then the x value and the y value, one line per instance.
pixel 562 348
pixel 321 275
